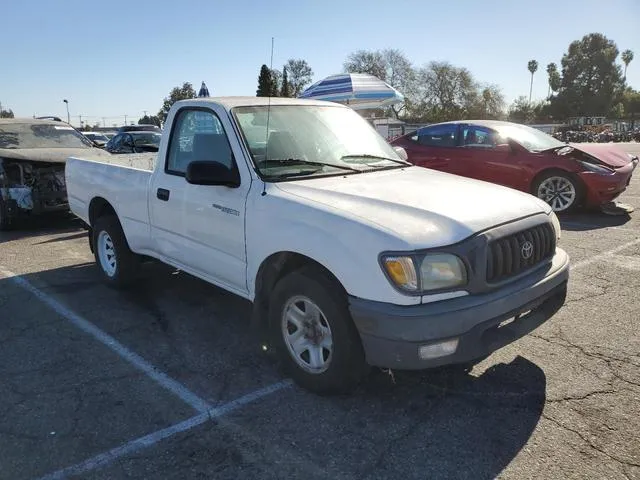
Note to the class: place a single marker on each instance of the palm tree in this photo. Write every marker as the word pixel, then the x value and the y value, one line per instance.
pixel 552 69
pixel 627 57
pixel 533 67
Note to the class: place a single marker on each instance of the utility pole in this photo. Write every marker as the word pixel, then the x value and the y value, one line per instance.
pixel 125 120
pixel 103 124
pixel 80 118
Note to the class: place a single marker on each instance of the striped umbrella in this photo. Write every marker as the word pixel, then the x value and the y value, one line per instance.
pixel 358 90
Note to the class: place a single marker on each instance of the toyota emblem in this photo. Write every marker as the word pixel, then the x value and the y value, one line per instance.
pixel 527 250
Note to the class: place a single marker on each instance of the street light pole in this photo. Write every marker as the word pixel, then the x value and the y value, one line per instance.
pixel 68 117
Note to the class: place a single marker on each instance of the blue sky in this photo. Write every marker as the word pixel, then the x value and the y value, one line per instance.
pixel 122 57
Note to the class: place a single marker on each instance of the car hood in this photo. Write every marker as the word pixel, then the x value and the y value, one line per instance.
pixel 52 155
pixel 423 207
pixel 610 155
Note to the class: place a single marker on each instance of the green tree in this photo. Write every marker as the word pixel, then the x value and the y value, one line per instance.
pixel 276 82
pixel 631 103
pixel 285 89
pixel 299 73
pixel 150 120
pixel 184 92
pixel 627 58
pixel 265 82
pixel 591 80
pixel 617 111
pixel 532 66
pixel 6 113
pixel 522 110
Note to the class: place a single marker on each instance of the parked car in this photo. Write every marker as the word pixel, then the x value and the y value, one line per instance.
pixel 524 158
pixel 98 139
pixel 139 128
pixel 350 255
pixel 32 158
pixel 134 142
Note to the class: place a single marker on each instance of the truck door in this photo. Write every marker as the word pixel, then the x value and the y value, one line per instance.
pixel 200 227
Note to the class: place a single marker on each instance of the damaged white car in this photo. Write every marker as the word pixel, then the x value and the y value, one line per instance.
pixel 33 154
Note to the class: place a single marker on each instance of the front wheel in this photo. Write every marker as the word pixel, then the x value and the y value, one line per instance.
pixel 561 191
pixel 117 263
pixel 313 333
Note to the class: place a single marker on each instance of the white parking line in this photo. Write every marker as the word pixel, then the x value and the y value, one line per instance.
pixel 133 446
pixel 207 412
pixel 589 226
pixel 600 256
pixel 136 360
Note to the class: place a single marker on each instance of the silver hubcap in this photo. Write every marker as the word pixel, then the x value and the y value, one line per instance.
pixel 557 192
pixel 107 254
pixel 307 334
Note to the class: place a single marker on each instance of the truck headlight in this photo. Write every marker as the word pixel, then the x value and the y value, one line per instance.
pixel 556 224
pixel 424 273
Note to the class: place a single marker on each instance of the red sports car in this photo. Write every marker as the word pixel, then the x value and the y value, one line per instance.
pixel 523 158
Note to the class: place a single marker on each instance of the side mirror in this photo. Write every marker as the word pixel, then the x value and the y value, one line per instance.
pixel 402 153
pixel 212 173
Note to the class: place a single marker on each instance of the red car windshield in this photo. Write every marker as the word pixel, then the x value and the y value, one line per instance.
pixel 530 138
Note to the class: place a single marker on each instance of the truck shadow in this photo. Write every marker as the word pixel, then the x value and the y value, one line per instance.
pixel 580 222
pixel 431 424
pixel 44 225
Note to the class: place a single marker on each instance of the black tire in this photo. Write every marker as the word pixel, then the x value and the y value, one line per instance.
pixel 564 176
pixel 127 262
pixel 347 366
pixel 5 219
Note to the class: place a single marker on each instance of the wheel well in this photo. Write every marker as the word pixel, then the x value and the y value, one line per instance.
pixel 560 171
pixel 99 207
pixel 275 267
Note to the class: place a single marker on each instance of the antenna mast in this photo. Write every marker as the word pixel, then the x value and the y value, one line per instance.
pixel 266 142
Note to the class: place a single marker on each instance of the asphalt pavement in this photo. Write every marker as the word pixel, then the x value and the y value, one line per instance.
pixel 165 380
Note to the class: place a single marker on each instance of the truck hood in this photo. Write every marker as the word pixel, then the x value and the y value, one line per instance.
pixel 609 155
pixel 52 155
pixel 422 207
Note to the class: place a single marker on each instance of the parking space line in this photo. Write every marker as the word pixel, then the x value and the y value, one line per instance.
pixel 151 439
pixel 600 256
pixel 197 403
pixel 589 226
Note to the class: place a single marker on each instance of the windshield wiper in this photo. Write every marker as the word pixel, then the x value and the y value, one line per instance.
pixel 301 161
pixel 376 157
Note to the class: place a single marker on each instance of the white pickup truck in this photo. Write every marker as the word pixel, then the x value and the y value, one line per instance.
pixel 351 256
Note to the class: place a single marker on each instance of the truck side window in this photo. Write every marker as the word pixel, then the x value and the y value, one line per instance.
pixel 197 135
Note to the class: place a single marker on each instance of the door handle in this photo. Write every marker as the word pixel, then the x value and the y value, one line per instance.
pixel 163 194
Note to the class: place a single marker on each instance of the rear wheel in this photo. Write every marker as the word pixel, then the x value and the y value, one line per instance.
pixel 117 263
pixel 559 189
pixel 312 330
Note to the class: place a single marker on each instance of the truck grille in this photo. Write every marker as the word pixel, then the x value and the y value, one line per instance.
pixel 509 256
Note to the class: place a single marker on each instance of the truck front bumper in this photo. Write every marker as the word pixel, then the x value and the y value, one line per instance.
pixel 392 335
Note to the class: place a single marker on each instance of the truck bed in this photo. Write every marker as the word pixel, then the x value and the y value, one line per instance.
pixel 138 161
pixel 120 179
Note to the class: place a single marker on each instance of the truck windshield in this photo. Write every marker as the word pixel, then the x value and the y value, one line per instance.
pixel 30 135
pixel 306 140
